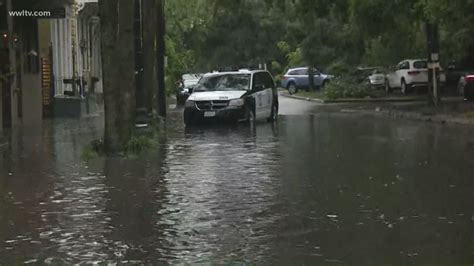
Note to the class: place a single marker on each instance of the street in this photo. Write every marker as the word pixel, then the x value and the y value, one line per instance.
pixel 319 186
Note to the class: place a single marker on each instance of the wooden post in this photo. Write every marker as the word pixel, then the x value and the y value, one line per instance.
pixel 433 63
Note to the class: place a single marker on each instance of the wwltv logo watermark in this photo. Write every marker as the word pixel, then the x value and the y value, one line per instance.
pixel 52 13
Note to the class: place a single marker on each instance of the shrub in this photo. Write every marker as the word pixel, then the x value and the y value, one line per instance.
pixel 137 144
pixel 346 88
pixel 338 68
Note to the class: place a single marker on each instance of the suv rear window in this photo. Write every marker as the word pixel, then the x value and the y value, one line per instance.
pixel 298 72
pixel 420 64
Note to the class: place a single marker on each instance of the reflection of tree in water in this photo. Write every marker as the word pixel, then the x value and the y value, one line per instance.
pixel 133 205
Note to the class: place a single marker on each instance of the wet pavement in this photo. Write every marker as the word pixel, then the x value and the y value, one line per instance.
pixel 320 186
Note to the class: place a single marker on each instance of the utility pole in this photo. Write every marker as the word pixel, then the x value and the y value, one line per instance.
pixel 432 34
pixel 311 78
pixel 160 57
pixel 12 65
pixel 73 29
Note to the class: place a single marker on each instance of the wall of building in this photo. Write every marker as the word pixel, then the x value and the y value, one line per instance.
pixel 77 34
pixel 27 97
pixel 32 106
pixel 62 52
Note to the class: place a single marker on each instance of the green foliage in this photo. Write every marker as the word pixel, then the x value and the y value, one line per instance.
pixel 346 88
pixel 338 68
pixel 140 142
pixel 93 150
pixel 335 35
pixel 137 144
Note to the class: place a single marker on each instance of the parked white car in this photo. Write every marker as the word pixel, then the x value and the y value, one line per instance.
pixel 409 74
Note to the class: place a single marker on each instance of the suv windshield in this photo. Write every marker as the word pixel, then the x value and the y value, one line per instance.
pixel 226 82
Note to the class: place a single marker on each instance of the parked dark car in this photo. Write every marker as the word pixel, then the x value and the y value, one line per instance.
pixel 466 87
pixel 185 87
pixel 457 70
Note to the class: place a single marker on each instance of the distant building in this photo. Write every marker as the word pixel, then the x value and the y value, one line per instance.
pixel 19 69
pixel 57 69
pixel 76 59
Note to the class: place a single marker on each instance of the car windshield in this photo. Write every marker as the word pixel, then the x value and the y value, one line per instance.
pixel 190 82
pixel 376 72
pixel 420 64
pixel 226 82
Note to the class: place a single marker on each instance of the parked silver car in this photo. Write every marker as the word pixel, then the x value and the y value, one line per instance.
pixel 377 78
pixel 297 78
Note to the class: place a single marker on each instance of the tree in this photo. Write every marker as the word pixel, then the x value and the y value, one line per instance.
pixel 116 18
pixel 149 54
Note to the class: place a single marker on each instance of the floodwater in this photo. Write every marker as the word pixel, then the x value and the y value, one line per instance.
pixel 317 187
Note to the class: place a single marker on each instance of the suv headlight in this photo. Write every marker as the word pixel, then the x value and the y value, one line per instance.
pixel 189 103
pixel 236 102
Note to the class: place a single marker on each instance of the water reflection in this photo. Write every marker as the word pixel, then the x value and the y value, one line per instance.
pixel 324 188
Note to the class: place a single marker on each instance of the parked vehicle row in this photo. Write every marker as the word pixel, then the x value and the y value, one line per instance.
pixel 410 74
pixel 407 76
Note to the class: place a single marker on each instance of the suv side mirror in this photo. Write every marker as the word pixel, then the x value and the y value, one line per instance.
pixel 258 87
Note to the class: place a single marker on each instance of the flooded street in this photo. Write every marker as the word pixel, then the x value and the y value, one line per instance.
pixel 316 187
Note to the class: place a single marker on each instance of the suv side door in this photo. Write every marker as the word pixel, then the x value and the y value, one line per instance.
pixel 269 93
pixel 318 78
pixel 302 80
pixel 258 94
pixel 402 71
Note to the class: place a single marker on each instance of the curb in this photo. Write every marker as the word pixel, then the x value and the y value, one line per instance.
pixel 369 100
pixel 303 98
pixel 413 116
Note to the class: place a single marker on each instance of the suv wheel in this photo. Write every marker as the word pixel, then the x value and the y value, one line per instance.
pixel 292 89
pixel 405 87
pixel 249 116
pixel 188 120
pixel 325 83
pixel 388 89
pixel 274 115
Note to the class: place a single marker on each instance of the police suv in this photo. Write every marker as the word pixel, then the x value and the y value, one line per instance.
pixel 244 95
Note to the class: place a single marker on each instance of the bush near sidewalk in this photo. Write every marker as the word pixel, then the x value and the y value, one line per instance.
pixel 347 88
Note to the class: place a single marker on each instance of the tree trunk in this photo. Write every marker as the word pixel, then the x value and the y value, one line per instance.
pixel 116 18
pixel 160 57
pixel 149 54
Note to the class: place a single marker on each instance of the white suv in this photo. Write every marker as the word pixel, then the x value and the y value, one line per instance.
pixel 409 74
